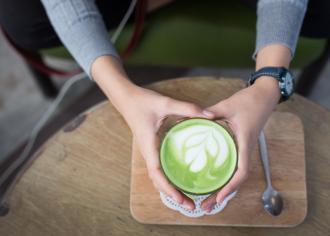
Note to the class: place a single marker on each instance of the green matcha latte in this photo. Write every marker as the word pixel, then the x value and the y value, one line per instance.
pixel 198 156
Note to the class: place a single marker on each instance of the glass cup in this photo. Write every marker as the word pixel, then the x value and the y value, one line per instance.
pixel 198 157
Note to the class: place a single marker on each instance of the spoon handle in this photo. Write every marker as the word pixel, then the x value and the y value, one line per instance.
pixel 264 157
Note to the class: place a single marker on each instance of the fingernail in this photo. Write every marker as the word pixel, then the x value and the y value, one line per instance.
pixel 206 207
pixel 208 113
pixel 187 206
pixel 177 199
pixel 211 207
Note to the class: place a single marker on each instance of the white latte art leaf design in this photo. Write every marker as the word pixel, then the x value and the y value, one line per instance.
pixel 198 143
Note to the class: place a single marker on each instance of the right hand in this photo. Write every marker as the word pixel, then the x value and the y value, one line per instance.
pixel 145 110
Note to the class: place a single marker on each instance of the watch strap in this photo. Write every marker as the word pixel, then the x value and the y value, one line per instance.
pixel 274 72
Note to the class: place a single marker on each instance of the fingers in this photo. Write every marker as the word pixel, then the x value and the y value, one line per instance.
pixel 164 186
pixel 219 110
pixel 161 183
pixel 208 203
pixel 187 109
pixel 239 177
pixel 151 155
pixel 241 173
pixel 218 197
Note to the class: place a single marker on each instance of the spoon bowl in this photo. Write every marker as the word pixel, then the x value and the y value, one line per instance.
pixel 272 201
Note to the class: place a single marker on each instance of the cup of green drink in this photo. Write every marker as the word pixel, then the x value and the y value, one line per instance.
pixel 198 156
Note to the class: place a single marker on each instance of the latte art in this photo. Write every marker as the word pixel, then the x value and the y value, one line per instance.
pixel 197 144
pixel 198 155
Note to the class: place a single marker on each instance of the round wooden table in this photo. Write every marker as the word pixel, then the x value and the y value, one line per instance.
pixel 79 182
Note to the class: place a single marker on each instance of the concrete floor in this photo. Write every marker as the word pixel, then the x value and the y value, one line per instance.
pixel 22 104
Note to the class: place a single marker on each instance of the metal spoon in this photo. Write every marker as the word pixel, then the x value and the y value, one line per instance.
pixel 271 199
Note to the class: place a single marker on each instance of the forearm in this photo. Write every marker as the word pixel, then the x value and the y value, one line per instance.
pixel 265 92
pixel 81 29
pixel 110 76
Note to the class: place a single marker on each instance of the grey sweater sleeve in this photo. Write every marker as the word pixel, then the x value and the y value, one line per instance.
pixel 279 22
pixel 81 29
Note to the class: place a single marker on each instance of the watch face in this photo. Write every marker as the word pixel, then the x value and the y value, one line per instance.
pixel 288 83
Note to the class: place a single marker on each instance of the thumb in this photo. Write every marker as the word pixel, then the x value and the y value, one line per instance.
pixel 219 110
pixel 242 171
pixel 182 108
pixel 151 155
pixel 157 176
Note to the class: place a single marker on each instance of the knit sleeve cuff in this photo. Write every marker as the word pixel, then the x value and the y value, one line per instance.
pixel 81 29
pixel 279 22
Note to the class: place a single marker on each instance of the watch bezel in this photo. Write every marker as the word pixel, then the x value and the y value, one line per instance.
pixel 285 76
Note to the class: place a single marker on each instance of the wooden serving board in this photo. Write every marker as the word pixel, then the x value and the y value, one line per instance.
pixel 285 140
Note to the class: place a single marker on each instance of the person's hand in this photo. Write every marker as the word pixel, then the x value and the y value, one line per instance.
pixel 145 110
pixel 246 113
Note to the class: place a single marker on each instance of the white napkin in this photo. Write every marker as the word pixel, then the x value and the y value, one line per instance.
pixel 198 211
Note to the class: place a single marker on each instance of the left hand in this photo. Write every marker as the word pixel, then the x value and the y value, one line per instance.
pixel 246 113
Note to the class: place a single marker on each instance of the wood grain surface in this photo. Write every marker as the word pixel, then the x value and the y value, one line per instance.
pixel 285 140
pixel 79 183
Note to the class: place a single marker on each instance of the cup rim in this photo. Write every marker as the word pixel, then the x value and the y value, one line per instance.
pixel 225 127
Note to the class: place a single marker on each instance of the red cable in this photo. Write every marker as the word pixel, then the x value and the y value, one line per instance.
pixel 139 24
pixel 38 64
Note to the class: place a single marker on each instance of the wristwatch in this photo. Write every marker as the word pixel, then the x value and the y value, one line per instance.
pixel 281 74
